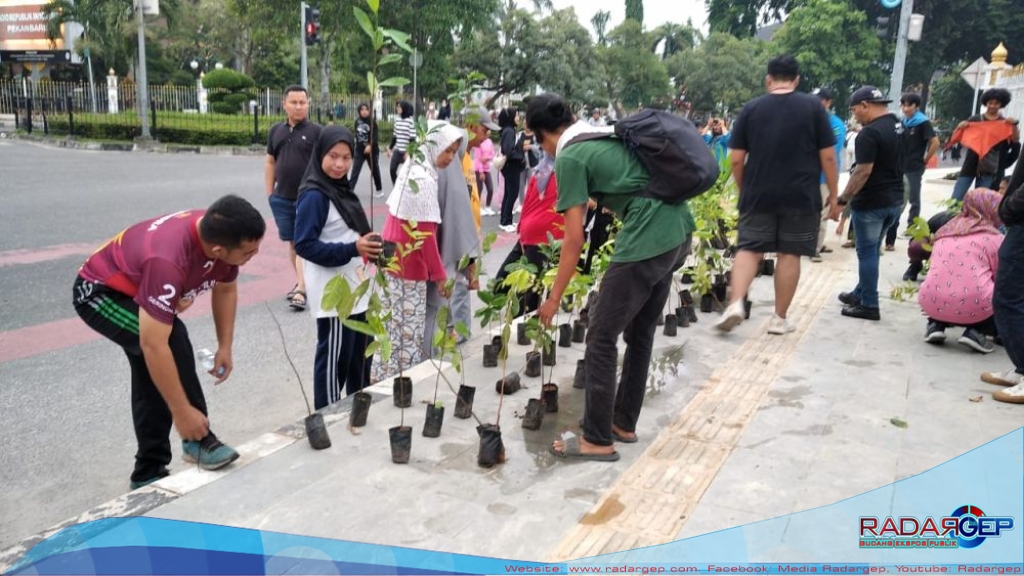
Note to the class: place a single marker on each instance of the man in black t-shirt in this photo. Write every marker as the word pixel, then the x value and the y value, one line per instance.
pixel 919 144
pixel 874 193
pixel 781 144
pixel 289 147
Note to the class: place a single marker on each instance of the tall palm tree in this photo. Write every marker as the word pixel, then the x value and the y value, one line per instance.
pixel 109 26
pixel 676 37
pixel 600 24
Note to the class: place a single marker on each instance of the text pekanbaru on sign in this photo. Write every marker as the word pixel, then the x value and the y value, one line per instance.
pixel 22 23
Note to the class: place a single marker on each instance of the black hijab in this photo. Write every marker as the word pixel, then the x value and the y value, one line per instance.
pixel 338 191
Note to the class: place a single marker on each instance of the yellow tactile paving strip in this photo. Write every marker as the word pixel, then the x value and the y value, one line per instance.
pixel 651 501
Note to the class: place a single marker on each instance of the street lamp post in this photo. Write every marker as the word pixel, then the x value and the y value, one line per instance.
pixel 900 61
pixel 142 106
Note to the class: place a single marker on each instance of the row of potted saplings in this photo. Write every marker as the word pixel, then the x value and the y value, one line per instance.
pixel 501 306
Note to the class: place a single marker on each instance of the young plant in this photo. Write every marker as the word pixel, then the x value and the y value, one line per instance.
pixel 716 214
pixel 380 38
pixel 504 307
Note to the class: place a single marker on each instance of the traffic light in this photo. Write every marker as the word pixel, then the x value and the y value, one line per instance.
pixel 882 26
pixel 312 25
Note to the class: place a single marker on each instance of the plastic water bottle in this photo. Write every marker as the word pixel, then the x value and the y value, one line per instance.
pixel 205 359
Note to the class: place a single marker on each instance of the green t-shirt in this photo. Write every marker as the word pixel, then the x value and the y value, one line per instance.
pixel 606 171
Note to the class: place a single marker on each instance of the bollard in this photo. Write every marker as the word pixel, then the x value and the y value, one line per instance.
pixel 256 124
pixel 152 119
pixel 71 117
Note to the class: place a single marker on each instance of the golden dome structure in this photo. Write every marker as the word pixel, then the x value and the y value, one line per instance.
pixel 1000 54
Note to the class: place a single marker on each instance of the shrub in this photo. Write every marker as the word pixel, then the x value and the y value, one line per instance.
pixel 223 108
pixel 228 79
pixel 237 100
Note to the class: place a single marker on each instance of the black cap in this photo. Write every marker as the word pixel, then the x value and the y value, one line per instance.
pixel 823 93
pixel 868 94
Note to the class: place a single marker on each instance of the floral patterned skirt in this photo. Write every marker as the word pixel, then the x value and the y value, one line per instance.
pixel 407 301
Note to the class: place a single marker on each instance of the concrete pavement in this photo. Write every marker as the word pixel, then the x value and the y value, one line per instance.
pixel 736 429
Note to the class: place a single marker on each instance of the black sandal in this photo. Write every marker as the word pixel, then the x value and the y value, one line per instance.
pixel 298 301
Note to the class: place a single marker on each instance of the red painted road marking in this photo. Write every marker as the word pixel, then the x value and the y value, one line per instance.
pixel 270 272
pixel 16 257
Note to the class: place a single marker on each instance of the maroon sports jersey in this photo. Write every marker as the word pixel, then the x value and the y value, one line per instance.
pixel 158 262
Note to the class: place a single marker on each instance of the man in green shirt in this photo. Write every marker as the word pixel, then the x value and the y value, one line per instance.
pixel 653 241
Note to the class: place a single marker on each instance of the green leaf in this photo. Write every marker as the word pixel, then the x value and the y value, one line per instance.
pixel 415 186
pixel 364 22
pixel 361 327
pixel 372 348
pixel 395 82
pixel 400 38
pixel 461 329
pixel 385 349
pixel 897 423
pixel 489 240
pixel 390 59
pixel 374 5
pixel 371 82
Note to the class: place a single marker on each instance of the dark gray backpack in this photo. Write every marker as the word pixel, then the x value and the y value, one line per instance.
pixel 679 162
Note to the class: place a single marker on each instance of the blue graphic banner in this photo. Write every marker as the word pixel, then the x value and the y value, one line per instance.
pixel 961 517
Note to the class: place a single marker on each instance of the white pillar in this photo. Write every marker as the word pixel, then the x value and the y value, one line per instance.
pixel 112 92
pixel 204 103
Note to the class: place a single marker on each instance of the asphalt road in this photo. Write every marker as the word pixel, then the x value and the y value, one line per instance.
pixel 64 393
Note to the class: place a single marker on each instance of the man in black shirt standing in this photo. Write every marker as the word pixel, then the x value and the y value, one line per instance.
pixel 919 145
pixel 874 193
pixel 782 143
pixel 289 147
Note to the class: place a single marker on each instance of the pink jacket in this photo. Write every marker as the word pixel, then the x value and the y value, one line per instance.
pixel 961 279
pixel 483 155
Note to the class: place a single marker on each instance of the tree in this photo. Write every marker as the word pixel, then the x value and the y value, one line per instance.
pixel 674 38
pixel 834 45
pixel 567 60
pixel 635 11
pixel 506 55
pixel 600 24
pixel 952 97
pixel 742 17
pixel 721 74
pixel 110 31
pixel 953 30
pixel 635 75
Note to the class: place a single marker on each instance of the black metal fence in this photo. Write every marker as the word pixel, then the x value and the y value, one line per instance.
pixel 83 110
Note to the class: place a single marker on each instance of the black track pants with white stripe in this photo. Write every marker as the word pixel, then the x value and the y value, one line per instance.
pixel 340 362
pixel 116 317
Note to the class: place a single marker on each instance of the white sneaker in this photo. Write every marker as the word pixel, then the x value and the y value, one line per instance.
pixel 778 325
pixel 1007 378
pixel 732 317
pixel 509 228
pixel 1013 394
pixel 488 211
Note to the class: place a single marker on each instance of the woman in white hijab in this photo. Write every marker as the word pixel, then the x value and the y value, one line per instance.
pixel 415 207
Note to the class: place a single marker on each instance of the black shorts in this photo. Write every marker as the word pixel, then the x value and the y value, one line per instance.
pixel 795 234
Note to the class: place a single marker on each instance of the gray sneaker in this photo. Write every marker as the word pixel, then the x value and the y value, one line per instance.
pixel 209 453
pixel 976 341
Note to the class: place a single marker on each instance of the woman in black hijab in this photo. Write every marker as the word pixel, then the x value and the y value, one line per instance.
pixel 331 234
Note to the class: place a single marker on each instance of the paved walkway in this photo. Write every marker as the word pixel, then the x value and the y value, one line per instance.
pixel 736 429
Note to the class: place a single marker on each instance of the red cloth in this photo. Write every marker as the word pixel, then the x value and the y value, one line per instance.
pixel 539 215
pixel 982 136
pixel 422 264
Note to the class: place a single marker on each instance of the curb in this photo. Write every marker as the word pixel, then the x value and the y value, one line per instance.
pixel 139 502
pixel 150 147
